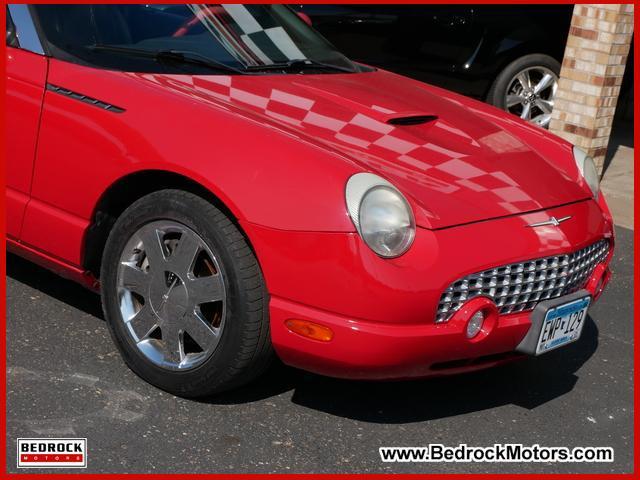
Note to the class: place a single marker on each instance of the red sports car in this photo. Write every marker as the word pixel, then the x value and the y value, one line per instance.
pixel 235 188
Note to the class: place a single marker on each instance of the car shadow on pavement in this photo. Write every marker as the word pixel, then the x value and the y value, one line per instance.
pixel 52 285
pixel 526 383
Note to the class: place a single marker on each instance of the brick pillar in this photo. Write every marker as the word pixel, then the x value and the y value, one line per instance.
pixel 591 74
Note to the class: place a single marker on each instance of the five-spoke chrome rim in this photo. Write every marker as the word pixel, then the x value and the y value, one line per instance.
pixel 531 94
pixel 172 295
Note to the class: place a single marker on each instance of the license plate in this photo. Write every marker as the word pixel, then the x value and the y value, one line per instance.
pixel 562 325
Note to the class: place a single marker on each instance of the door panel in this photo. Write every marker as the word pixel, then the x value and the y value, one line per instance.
pixel 26 80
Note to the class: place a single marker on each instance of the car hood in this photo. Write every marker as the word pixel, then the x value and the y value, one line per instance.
pixel 455 164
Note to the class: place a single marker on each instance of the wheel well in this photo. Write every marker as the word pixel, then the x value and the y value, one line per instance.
pixel 121 195
pixel 531 44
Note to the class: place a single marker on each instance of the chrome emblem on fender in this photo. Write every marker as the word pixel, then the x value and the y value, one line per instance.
pixel 552 221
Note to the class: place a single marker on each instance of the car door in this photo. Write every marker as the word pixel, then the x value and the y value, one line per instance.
pixel 26 77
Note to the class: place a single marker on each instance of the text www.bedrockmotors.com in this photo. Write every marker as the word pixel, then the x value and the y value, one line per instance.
pixel 496 453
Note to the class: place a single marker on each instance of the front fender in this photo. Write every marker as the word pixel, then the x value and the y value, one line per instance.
pixel 264 175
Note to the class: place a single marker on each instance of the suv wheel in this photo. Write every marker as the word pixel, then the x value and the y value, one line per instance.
pixel 184 297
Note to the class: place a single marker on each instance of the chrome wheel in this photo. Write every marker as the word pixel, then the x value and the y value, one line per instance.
pixel 531 93
pixel 172 295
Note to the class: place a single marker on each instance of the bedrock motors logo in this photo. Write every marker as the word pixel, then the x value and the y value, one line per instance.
pixel 52 453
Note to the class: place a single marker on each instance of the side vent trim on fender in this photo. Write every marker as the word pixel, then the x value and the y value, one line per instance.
pixel 83 98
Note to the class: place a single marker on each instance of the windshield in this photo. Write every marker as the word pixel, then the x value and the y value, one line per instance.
pixel 189 39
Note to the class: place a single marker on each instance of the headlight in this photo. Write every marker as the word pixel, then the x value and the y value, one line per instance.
pixel 588 170
pixel 381 215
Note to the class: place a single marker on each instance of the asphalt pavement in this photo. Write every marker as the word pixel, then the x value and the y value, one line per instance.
pixel 66 379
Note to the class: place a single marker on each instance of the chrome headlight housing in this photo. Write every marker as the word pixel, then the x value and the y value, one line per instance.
pixel 381 214
pixel 588 170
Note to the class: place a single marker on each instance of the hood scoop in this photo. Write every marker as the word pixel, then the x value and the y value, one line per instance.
pixel 406 120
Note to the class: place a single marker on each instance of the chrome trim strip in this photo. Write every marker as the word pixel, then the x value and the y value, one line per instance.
pixel 25 28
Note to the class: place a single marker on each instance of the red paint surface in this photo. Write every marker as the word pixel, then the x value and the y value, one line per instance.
pixel 277 150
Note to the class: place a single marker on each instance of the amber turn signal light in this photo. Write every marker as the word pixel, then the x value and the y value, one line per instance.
pixel 309 329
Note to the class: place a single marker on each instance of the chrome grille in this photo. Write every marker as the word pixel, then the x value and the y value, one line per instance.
pixel 518 287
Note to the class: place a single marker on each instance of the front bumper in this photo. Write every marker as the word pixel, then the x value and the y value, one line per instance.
pixel 368 350
pixel 382 312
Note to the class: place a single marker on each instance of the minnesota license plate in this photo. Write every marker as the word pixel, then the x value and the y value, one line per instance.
pixel 562 325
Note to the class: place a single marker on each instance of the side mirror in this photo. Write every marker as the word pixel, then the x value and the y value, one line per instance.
pixel 12 37
pixel 305 18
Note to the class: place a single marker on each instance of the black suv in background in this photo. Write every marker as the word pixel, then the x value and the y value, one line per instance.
pixel 508 55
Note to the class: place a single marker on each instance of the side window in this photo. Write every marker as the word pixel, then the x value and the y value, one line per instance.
pixel 12 36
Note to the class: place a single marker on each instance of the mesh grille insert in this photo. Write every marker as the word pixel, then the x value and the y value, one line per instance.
pixel 519 287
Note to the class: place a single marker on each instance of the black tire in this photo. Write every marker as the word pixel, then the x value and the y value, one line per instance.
pixel 496 95
pixel 244 350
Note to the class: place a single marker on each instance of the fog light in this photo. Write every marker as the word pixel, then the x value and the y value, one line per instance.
pixel 475 324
